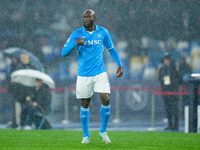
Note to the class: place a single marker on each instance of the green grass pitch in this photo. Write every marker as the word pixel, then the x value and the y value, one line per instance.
pixel 125 140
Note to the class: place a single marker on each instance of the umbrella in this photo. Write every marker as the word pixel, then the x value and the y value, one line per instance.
pixel 16 51
pixel 27 77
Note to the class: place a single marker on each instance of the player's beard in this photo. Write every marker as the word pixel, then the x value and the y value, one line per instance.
pixel 89 25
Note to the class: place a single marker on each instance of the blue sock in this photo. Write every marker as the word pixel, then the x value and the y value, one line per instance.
pixel 85 116
pixel 105 115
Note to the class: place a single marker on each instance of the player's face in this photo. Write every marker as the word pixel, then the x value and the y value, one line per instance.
pixel 88 19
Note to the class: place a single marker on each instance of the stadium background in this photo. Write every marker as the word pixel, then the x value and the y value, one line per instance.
pixel 142 30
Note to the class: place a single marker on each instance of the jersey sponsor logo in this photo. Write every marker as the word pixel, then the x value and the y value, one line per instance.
pixel 93 42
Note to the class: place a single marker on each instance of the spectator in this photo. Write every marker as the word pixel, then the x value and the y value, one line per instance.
pixel 36 106
pixel 12 90
pixel 170 80
pixel 25 62
pixel 20 91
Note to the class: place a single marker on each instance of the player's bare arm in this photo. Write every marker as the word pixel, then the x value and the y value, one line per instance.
pixel 119 72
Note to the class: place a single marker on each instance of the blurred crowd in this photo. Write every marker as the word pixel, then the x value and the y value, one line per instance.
pixel 142 30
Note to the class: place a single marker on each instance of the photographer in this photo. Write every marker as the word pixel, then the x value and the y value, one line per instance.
pixel 36 106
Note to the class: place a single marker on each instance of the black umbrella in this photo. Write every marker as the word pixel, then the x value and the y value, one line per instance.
pixel 16 51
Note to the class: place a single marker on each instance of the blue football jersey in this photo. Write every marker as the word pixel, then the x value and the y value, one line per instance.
pixel 90 55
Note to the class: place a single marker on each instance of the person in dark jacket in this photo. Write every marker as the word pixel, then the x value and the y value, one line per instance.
pixel 170 81
pixel 18 91
pixel 24 91
pixel 12 90
pixel 36 105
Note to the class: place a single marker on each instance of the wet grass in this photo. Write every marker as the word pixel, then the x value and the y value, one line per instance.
pixel 64 139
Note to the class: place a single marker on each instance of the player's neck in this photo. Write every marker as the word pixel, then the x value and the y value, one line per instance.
pixel 92 28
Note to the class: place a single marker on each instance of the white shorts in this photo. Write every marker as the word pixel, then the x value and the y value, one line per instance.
pixel 86 86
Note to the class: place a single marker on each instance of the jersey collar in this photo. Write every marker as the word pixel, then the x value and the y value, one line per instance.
pixel 96 28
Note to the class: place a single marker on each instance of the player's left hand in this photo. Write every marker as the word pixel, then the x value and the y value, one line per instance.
pixel 119 72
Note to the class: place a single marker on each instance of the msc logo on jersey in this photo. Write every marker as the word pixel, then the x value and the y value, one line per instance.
pixel 93 42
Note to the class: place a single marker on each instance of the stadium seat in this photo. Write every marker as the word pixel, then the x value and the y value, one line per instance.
pixel 195 54
pixel 149 72
pixel 136 67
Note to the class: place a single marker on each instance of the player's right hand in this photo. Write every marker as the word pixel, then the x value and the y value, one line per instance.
pixel 80 41
pixel 119 72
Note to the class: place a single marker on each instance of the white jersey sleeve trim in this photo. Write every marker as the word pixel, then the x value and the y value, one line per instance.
pixel 110 48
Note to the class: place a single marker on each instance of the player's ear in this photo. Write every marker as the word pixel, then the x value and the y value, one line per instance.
pixel 94 16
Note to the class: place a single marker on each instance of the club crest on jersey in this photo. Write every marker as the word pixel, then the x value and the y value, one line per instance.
pixel 99 35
